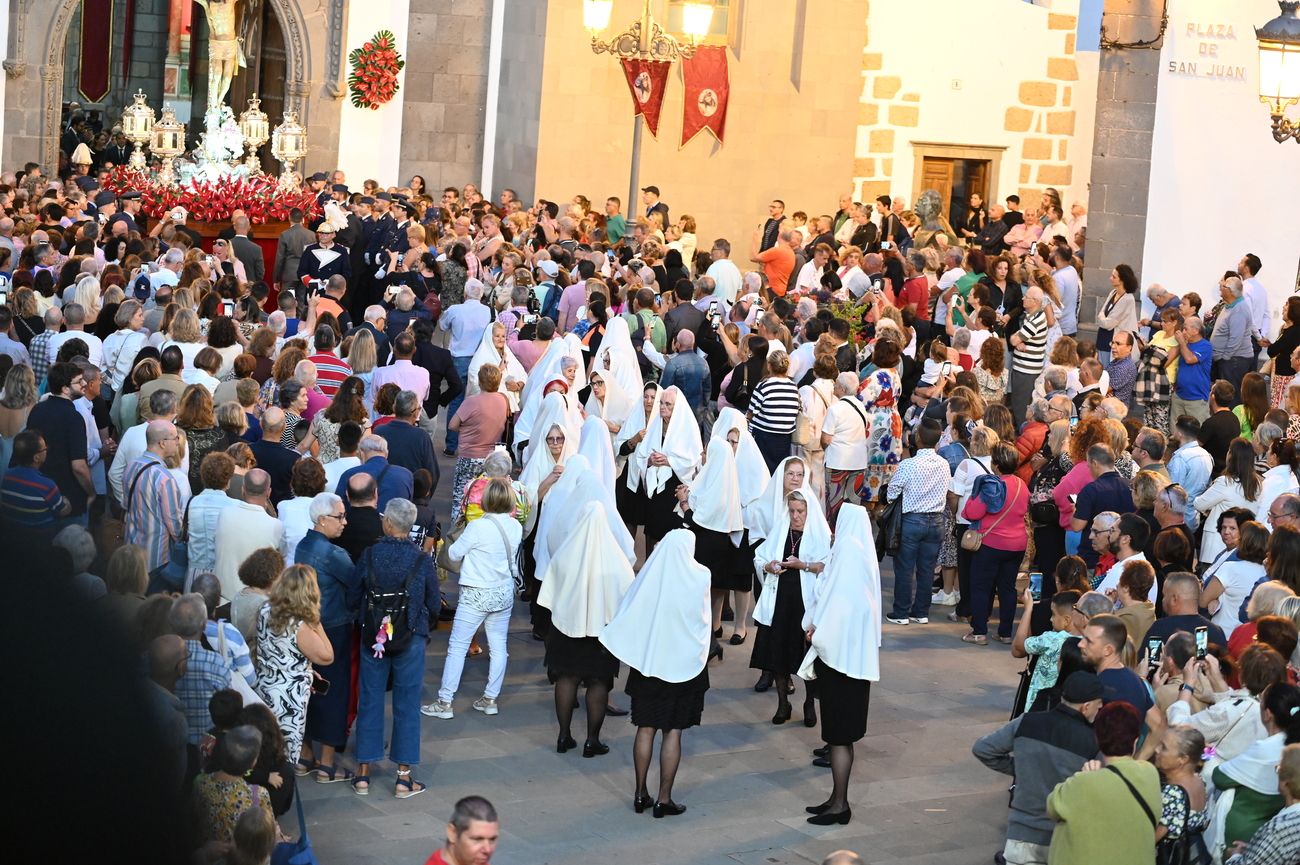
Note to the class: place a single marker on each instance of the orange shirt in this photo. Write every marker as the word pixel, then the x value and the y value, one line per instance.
pixel 778 262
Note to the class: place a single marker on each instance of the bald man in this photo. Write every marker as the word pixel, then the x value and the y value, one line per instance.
pixel 243 528
pixel 689 371
pixel 155 503
pixel 276 459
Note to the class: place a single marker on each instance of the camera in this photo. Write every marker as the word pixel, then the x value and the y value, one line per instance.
pixel 531 318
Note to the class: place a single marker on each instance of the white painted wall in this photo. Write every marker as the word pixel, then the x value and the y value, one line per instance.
pixel 4 46
pixel 989 47
pixel 370 142
pixel 1220 185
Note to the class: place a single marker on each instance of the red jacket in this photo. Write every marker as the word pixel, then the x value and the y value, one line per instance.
pixel 1030 442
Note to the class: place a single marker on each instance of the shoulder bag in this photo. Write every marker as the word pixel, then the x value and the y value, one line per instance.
pixel 515 574
pixel 889 527
pixel 295 852
pixel 1146 809
pixel 237 680
pixel 805 429
pixel 973 539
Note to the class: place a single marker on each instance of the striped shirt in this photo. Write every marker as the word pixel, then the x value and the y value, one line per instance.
pixel 236 648
pixel 1029 356
pixel 331 370
pixel 774 405
pixel 29 500
pixel 154 510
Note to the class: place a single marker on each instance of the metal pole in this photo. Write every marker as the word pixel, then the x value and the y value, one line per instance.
pixel 637 123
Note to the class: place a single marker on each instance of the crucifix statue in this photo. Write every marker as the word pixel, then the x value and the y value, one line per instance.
pixel 225 55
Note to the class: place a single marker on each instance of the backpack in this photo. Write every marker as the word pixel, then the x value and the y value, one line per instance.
pixel 386 616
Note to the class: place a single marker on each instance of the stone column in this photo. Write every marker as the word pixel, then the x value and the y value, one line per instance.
pixel 1121 154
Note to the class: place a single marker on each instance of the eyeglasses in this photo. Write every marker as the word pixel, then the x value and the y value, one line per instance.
pixel 555 440
pixel 343 518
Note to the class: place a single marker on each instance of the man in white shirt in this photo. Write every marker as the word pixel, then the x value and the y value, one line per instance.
pixel 724 273
pixel 1069 287
pixel 96 448
pixel 802 358
pixel 1056 226
pixel 169 269
pixel 1256 295
pixel 810 275
pixel 953 271
pixel 349 456
pixel 1128 538
pixel 74 317
pixel 245 528
pixel 162 403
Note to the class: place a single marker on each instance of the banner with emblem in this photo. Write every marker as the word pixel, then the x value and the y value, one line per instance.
pixel 647 80
pixel 707 91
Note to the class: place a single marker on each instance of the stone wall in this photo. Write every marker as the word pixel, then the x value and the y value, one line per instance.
pixel 446 90
pixel 519 107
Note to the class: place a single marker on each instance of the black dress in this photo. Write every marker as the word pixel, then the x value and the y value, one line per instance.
pixel 845 702
pixel 715 551
pixel 629 503
pixel 660 510
pixel 780 647
pixel 667 705
pixel 585 657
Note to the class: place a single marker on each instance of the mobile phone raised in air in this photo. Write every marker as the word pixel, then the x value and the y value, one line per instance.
pixel 1202 642
pixel 1154 650
pixel 1036 585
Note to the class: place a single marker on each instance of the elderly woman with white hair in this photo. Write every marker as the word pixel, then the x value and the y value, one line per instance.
pixel 80 548
pixel 405 311
pixel 122 346
pixel 392 570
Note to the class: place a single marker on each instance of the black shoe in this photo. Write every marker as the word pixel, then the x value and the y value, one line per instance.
pixel 539 637
pixel 823 751
pixel 828 819
pixel 594 749
pixel 668 809
pixel 728 614
pixel 782 714
pixel 809 713
pixel 564 743
pixel 999 859
pixel 448 453
pixel 716 651
pixel 818 809
pixel 717 635
pixel 640 803
pixel 822 762
pixel 616 711
pixel 738 639
pixel 764 682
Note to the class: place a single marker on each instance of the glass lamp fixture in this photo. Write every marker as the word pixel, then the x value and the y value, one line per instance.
pixel 255 126
pixel 288 145
pixel 137 126
pixel 697 18
pixel 596 15
pixel 168 142
pixel 1279 68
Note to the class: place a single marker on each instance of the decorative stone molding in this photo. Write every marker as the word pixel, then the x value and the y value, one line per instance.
pixel 334 37
pixel 15 65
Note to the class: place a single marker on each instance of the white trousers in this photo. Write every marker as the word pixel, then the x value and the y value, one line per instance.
pixel 466 624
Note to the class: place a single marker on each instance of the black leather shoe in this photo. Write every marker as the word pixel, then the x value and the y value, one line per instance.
pixel 817 809
pixel 594 749
pixel 764 682
pixel 669 809
pixel 782 714
pixel 809 713
pixel 728 614
pixel 716 651
pixel 823 751
pixel 564 743
pixel 717 634
pixel 640 803
pixel 616 711
pixel 822 762
pixel 737 639
pixel 828 819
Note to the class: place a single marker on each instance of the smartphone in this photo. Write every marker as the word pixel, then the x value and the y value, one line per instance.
pixel 320 686
pixel 656 300
pixel 1074 422
pixel 1202 642
pixel 885 244
pixel 4 299
pixel 228 308
pixel 1154 649
pixel 946 369
pixel 1036 585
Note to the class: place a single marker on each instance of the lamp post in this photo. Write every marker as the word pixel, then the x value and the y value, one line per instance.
pixel 644 40
pixel 1279 68
pixel 168 143
pixel 137 126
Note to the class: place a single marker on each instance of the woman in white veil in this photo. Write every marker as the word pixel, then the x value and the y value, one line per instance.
pixel 492 349
pixel 666 458
pixel 844 629
pixel 595 446
pixel 608 401
pixel 631 505
pixel 583 586
pixel 753 480
pixel 788 560
pixel 661 631
pixel 618 356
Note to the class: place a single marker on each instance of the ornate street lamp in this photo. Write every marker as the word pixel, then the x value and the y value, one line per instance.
pixel 137 125
pixel 1279 68
pixel 255 126
pixel 288 145
pixel 644 40
pixel 168 143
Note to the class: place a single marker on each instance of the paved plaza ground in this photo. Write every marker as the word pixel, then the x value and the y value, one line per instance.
pixel 918 796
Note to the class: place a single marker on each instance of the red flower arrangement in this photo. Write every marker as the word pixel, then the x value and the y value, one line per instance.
pixel 260 197
pixel 373 80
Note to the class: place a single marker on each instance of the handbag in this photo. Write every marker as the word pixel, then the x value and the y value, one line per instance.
pixel 889 528
pixel 295 852
pixel 973 539
pixel 804 428
pixel 443 557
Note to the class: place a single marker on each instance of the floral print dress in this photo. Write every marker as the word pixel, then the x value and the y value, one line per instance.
pixel 880 393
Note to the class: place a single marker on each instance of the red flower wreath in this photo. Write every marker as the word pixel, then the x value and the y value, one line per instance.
pixel 259 197
pixel 375 65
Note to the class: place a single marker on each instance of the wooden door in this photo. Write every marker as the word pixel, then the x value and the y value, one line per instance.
pixel 977 179
pixel 937 174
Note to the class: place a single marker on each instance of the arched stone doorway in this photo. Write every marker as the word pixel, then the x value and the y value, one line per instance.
pixel 53 56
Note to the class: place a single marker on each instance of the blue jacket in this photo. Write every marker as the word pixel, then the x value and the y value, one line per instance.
pixel 385 566
pixel 334 575
pixel 689 372
pixel 394 482
pixel 991 490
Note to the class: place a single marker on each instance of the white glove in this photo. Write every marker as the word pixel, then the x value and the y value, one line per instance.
pixel 380 273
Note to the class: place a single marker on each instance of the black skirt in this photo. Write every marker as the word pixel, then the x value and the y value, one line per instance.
pixel 585 657
pixel 844 705
pixel 630 505
pixel 715 551
pixel 660 511
pixel 780 648
pixel 741 576
pixel 667 705
pixel 327 714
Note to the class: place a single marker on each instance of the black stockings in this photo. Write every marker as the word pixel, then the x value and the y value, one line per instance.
pixel 670 757
pixel 841 768
pixel 566 696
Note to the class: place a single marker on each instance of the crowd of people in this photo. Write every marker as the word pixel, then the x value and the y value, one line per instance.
pixel 238 463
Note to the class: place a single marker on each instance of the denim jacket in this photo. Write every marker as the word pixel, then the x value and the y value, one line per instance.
pixel 334 575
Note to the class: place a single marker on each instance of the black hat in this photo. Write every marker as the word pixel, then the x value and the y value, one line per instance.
pixel 319 175
pixel 411 209
pixel 383 196
pixel 653 189
pixel 367 201
pixel 131 195
pixel 142 287
pixel 105 198
pixel 1081 687
pixel 86 183
pixel 339 187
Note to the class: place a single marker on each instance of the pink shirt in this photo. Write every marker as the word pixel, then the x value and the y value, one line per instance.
pixel 316 401
pixel 1075 480
pixel 526 352
pixel 405 375
pixel 570 302
pixel 1009 533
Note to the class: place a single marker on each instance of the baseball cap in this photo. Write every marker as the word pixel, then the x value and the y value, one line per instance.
pixel 141 287
pixel 319 175
pixel 653 189
pixel 1081 687
pixel 550 268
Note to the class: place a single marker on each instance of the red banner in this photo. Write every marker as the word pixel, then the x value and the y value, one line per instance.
pixel 94 71
pixel 128 34
pixel 707 90
pixel 647 80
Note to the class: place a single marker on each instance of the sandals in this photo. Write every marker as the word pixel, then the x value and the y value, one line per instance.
pixel 357 781
pixel 977 639
pixel 331 774
pixel 407 786
pixel 475 650
pixel 305 767
pixel 1004 640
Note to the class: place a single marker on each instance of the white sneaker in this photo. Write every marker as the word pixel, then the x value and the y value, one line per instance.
pixel 440 709
pixel 942 598
pixel 894 621
pixel 486 705
pixel 919 620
